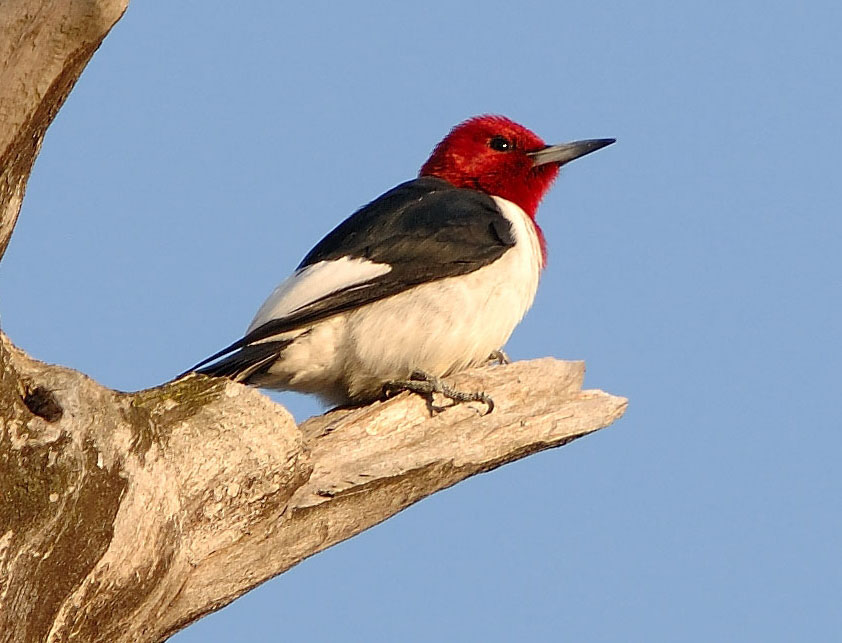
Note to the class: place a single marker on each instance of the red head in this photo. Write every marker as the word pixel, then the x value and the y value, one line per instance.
pixel 489 153
pixel 501 158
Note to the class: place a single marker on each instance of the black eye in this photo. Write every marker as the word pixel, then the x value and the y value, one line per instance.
pixel 501 144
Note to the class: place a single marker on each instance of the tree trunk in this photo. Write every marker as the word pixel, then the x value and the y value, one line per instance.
pixel 126 516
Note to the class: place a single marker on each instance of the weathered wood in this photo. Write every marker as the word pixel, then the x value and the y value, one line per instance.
pixel 126 516
pixel 44 46
pixel 132 514
pixel 108 511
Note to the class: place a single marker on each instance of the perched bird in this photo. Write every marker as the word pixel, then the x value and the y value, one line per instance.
pixel 426 280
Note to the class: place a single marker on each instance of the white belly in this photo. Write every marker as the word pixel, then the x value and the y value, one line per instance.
pixel 439 328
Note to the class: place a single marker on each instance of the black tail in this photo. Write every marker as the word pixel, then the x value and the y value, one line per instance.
pixel 241 365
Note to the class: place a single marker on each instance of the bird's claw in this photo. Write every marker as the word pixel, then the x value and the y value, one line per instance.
pixel 425 384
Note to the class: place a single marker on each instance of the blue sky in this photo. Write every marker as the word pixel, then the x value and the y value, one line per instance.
pixel 695 266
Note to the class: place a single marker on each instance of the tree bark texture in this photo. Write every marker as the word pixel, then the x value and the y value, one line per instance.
pixel 126 516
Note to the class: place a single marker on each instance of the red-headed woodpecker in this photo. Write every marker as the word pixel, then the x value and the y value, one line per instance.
pixel 428 279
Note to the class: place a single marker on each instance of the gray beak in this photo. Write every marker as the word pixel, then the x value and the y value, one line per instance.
pixel 567 152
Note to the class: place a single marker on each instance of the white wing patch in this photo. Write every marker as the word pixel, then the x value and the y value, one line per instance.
pixel 314 282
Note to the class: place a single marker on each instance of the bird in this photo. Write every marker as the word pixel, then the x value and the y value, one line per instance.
pixel 426 280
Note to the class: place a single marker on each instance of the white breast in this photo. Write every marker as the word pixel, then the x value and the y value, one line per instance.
pixel 447 325
pixel 529 258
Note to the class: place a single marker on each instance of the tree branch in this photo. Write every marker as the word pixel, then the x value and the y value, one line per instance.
pixel 131 515
pixel 44 46
pixel 126 516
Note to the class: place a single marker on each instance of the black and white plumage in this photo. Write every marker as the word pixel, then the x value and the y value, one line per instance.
pixel 374 301
pixel 428 279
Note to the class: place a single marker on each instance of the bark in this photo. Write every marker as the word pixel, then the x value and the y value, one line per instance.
pixel 44 46
pixel 126 516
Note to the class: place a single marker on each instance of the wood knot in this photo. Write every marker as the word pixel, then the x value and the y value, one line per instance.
pixel 43 403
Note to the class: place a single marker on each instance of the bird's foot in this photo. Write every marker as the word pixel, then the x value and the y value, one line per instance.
pixel 499 356
pixel 425 384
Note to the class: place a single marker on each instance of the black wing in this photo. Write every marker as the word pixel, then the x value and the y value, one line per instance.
pixel 425 229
